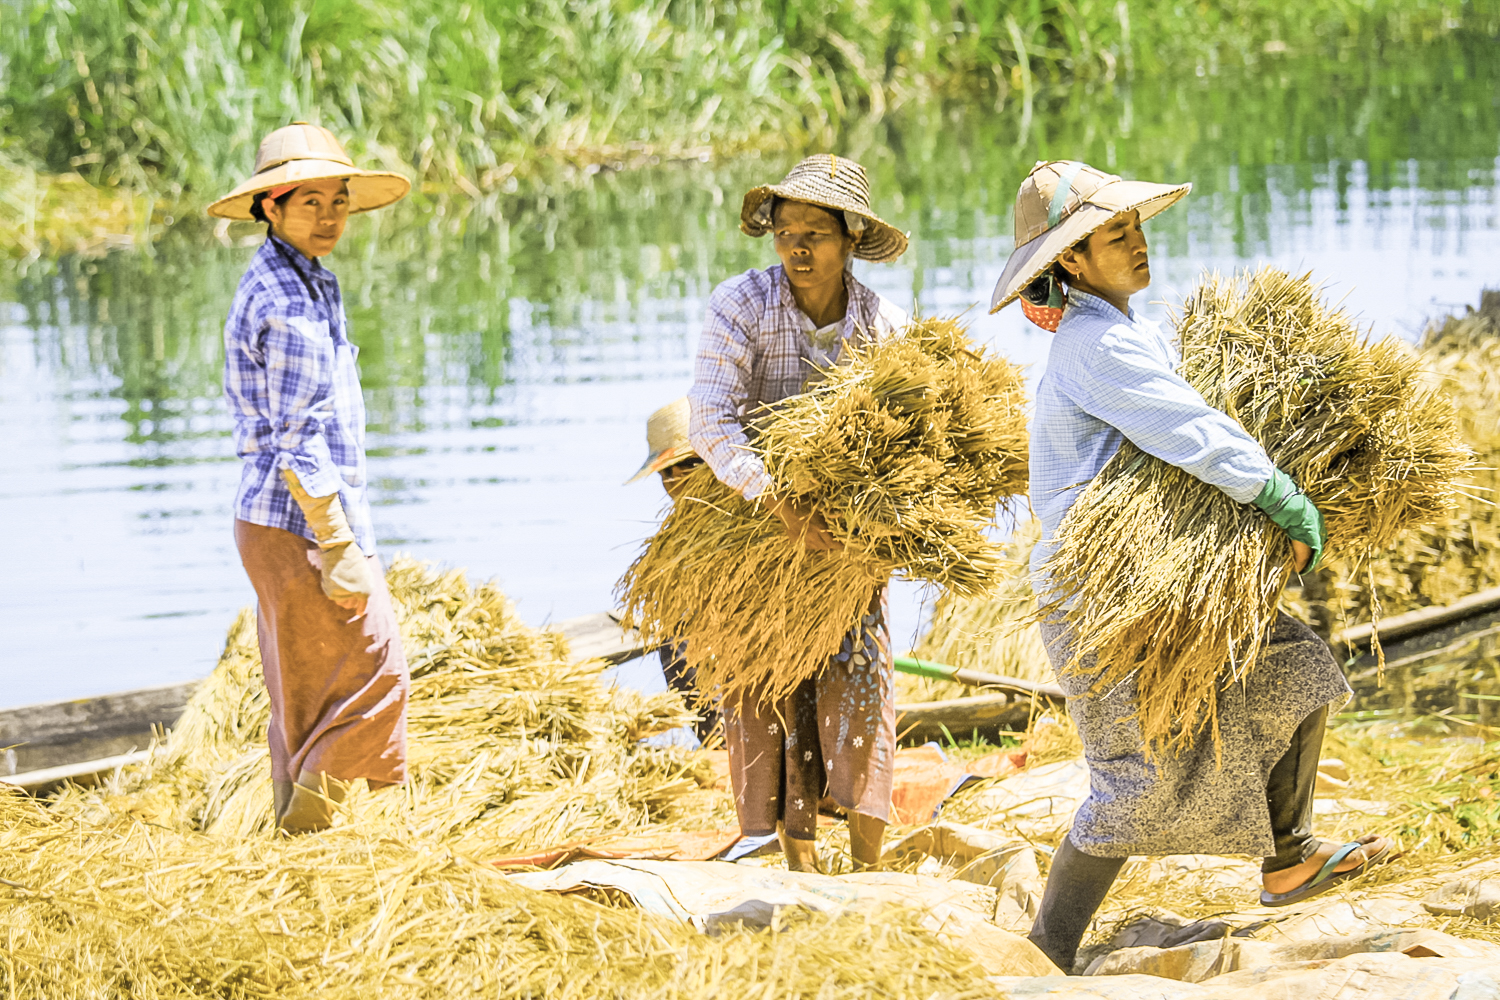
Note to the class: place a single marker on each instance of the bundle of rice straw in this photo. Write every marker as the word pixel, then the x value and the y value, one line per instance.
pixel 992 633
pixel 1458 554
pixel 511 746
pixel 1176 581
pixel 906 451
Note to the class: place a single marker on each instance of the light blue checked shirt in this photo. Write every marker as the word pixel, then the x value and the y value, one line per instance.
pixel 758 348
pixel 1110 377
pixel 293 389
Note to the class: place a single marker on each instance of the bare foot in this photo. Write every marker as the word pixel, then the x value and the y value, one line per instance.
pixel 1288 879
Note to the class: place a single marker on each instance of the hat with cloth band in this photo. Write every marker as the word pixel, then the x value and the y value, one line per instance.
pixel 667 438
pixel 298 153
pixel 835 183
pixel 1060 203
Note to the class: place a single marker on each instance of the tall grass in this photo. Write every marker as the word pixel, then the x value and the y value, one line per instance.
pixel 172 95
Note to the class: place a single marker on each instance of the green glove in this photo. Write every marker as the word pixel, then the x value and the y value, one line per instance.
pixel 1293 513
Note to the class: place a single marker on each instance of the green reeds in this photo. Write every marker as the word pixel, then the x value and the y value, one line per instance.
pixel 167 95
pixel 1179 584
pixel 905 450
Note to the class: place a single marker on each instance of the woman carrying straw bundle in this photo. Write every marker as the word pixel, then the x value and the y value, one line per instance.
pixel 334 668
pixel 1111 376
pixel 767 333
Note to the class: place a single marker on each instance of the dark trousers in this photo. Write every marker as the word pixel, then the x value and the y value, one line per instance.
pixel 1077 882
pixel 683 679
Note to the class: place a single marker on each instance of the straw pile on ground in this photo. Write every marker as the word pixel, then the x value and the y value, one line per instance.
pixel 512 747
pixel 906 451
pixel 1176 581
pixel 128 911
pixel 167 882
pixel 1458 554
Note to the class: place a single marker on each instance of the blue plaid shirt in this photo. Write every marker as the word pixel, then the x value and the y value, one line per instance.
pixel 293 388
pixel 1112 376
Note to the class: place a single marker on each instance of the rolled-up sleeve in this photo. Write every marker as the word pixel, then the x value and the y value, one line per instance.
pixel 297 353
pixel 721 385
pixel 1130 388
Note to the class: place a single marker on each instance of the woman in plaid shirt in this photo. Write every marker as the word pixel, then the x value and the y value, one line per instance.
pixel 330 648
pixel 766 334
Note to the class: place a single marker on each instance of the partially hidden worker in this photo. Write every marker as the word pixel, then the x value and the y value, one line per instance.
pixel 767 333
pixel 1111 375
pixel 671 457
pixel 333 664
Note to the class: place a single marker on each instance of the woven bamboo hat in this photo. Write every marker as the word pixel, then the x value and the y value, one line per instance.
pixel 831 182
pixel 299 153
pixel 1060 203
pixel 667 438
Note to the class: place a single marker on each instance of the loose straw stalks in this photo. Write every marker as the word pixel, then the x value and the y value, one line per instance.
pixel 993 633
pixel 1180 584
pixel 166 881
pixel 1458 554
pixel 511 746
pixel 906 451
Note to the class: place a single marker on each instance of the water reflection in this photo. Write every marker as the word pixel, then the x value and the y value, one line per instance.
pixel 511 350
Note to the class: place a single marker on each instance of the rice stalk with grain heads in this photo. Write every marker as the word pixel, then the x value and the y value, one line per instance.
pixel 906 451
pixel 1168 577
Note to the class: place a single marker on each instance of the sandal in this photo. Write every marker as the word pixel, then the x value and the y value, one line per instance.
pixel 1326 878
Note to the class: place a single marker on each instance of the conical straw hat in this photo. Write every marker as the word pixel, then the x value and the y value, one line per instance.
pixel 832 182
pixel 667 439
pixel 1060 203
pixel 299 153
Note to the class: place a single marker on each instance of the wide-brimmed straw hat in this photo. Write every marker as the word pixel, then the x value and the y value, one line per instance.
pixel 1060 203
pixel 831 182
pixel 667 439
pixel 299 153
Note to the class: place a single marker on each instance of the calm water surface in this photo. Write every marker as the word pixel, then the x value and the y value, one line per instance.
pixel 511 350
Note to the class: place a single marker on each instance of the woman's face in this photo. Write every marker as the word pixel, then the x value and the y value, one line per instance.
pixel 1113 262
pixel 313 218
pixel 674 477
pixel 811 243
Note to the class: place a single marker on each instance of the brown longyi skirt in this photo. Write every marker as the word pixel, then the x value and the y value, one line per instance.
pixel 834 735
pixel 338 687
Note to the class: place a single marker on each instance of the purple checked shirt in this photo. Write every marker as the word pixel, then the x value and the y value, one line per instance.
pixel 757 347
pixel 293 389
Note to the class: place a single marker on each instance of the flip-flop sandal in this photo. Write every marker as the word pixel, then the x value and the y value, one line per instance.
pixel 1326 878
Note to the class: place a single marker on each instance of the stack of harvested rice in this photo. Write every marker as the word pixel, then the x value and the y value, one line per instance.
pixel 511 747
pixel 993 633
pixel 906 451
pixel 1177 582
pixel 1458 554
pixel 167 882
pixel 127 910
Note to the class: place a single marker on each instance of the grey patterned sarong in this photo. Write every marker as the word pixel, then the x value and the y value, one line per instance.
pixel 1191 802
